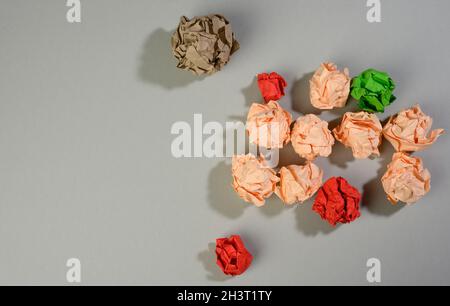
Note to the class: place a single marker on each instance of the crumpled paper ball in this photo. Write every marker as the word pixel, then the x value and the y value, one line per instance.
pixel 253 180
pixel 409 130
pixel 337 201
pixel 268 125
pixel 271 85
pixel 232 256
pixel 406 179
pixel 203 45
pixel 373 89
pixel 329 87
pixel 298 183
pixel 361 132
pixel 311 137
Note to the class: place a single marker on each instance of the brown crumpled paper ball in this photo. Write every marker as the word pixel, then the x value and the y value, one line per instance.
pixel 203 45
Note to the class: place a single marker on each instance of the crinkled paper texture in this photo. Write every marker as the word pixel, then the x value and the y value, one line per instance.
pixel 373 89
pixel 298 183
pixel 203 45
pixel 329 87
pixel 311 137
pixel 271 85
pixel 362 132
pixel 409 130
pixel 268 125
pixel 232 256
pixel 406 179
pixel 253 180
pixel 337 201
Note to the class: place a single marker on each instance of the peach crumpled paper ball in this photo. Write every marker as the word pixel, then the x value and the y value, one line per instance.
pixel 311 137
pixel 298 183
pixel 329 87
pixel 361 132
pixel 268 125
pixel 253 179
pixel 409 130
pixel 406 179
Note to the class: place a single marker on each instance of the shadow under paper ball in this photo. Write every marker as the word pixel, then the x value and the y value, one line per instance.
pixel 340 155
pixel 288 156
pixel 273 207
pixel 252 94
pixel 158 65
pixel 221 195
pixel 208 259
pixel 373 197
pixel 309 222
pixel 301 102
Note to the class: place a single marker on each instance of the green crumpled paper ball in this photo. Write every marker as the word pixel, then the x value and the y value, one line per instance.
pixel 373 90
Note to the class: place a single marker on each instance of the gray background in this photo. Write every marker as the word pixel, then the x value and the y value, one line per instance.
pixel 85 163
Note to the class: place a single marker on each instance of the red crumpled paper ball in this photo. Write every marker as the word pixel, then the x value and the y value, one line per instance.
pixel 232 256
pixel 337 201
pixel 271 86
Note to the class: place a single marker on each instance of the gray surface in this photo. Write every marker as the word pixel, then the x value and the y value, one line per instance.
pixel 85 163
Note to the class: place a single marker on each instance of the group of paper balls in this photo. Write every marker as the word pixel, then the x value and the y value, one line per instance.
pixel 271 126
pixel 203 45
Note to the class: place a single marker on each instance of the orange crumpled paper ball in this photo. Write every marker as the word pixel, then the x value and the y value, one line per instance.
pixel 329 87
pixel 253 180
pixel 311 137
pixel 268 125
pixel 409 130
pixel 406 179
pixel 360 131
pixel 298 183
